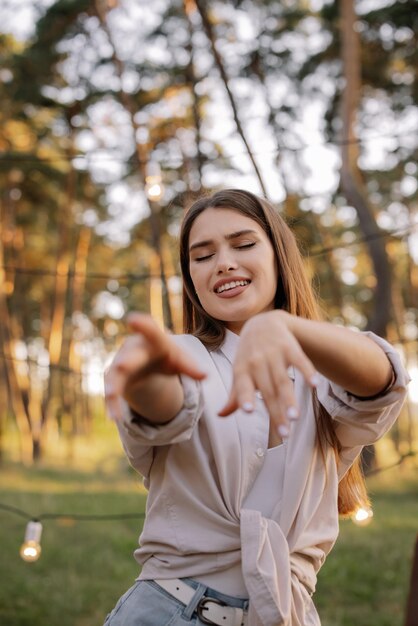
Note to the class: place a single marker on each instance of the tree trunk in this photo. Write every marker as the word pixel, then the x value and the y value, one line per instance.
pixel 155 288
pixel 56 335
pixel 17 401
pixel 80 268
pixel 74 376
pixel 351 180
pixel 327 244
pixel 176 303
pixel 101 8
pixel 354 188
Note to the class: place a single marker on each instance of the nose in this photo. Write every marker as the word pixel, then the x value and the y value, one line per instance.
pixel 225 262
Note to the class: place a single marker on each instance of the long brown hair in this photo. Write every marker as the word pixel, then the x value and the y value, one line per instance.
pixel 294 294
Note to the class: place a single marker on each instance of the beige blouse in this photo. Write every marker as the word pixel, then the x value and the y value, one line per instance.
pixel 199 468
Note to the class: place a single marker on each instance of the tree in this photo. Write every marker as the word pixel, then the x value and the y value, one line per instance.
pixel 99 96
pixel 352 183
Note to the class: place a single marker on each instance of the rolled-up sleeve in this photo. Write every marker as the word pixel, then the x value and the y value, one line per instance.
pixel 139 436
pixel 360 422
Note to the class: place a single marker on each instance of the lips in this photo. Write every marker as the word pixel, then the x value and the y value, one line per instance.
pixel 225 285
pixel 232 285
pixel 228 287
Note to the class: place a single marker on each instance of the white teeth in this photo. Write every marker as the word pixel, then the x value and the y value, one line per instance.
pixel 231 285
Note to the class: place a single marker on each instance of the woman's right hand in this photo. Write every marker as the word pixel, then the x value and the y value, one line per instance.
pixel 148 353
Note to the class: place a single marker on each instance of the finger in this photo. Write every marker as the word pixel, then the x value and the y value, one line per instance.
pixel 230 406
pixel 267 383
pixel 299 359
pixel 129 361
pixel 183 363
pixel 288 399
pixel 284 389
pixel 114 408
pixel 242 394
pixel 244 387
pixel 113 398
pixel 287 409
pixel 180 361
pixel 272 380
pixel 146 326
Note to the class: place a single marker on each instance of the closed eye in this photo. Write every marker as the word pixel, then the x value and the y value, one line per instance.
pixel 243 246
pixel 246 245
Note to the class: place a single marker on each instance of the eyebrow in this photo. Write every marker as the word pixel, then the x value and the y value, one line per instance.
pixel 235 235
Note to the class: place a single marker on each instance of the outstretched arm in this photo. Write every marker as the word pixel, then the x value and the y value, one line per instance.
pixel 348 358
pixel 145 373
pixel 273 341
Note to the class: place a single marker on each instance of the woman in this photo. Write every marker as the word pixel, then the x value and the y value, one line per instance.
pixel 247 428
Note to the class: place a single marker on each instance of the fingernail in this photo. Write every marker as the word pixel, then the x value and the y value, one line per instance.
pixel 283 431
pixel 248 407
pixel 315 380
pixel 292 413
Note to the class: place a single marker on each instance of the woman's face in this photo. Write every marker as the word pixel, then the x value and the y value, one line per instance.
pixel 232 266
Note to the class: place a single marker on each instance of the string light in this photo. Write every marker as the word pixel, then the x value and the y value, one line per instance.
pixel 132 276
pixel 23 157
pixel 30 550
pixel 362 516
pixel 154 187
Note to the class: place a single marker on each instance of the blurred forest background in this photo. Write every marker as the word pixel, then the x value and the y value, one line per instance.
pixel 116 114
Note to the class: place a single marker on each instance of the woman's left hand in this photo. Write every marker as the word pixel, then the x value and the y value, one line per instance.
pixel 267 348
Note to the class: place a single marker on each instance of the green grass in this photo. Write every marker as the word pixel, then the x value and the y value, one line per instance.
pixel 365 579
pixel 86 566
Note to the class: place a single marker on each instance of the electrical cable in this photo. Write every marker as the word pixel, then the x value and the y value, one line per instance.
pixel 15 157
pixel 148 276
pixel 72 516
pixel 399 462
pixel 126 516
pixel 73 274
pixel 80 374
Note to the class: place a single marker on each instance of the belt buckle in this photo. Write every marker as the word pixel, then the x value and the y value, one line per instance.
pixel 201 607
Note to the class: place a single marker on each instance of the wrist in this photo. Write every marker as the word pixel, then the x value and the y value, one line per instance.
pixel 286 318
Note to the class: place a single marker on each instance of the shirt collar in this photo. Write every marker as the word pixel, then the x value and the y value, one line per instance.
pixel 230 345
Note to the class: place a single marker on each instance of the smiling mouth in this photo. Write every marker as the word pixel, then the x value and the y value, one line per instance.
pixel 232 285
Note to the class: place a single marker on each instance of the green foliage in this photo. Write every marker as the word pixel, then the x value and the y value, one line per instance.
pixel 37 65
pixel 87 104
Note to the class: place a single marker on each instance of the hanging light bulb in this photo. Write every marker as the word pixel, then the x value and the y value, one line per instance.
pixel 154 187
pixel 362 516
pixel 30 550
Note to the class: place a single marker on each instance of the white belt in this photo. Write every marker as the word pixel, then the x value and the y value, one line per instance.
pixel 209 610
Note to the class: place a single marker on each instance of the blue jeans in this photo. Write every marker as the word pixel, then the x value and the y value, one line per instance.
pixel 147 604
